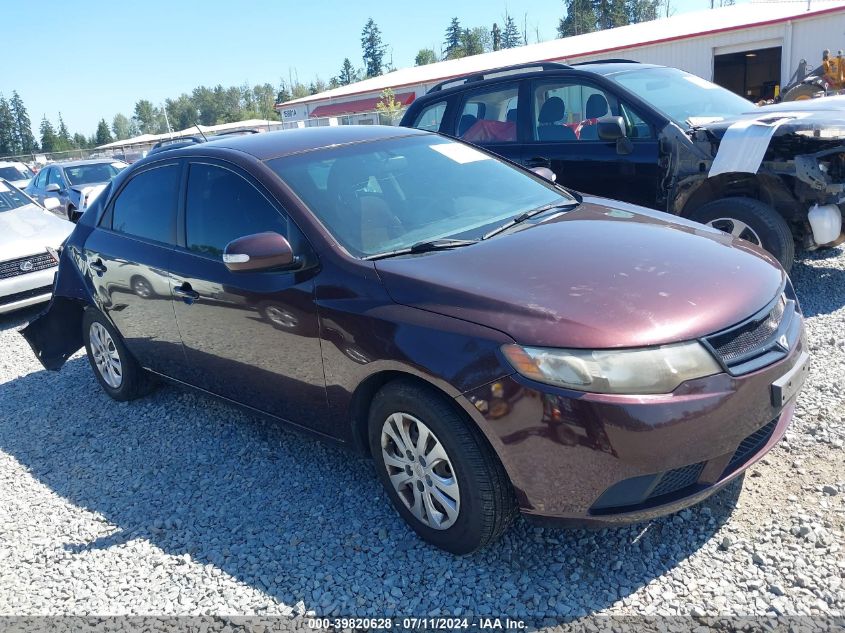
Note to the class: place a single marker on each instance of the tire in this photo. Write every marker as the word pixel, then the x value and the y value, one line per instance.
pixel 802 92
pixel 768 228
pixel 131 381
pixel 484 506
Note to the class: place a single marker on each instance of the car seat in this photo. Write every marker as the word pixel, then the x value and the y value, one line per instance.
pixel 595 108
pixel 549 122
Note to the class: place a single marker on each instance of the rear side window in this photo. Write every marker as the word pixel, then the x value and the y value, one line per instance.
pixel 489 116
pixel 222 206
pixel 431 117
pixel 146 207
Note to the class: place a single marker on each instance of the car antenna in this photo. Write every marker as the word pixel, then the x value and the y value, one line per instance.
pixel 199 129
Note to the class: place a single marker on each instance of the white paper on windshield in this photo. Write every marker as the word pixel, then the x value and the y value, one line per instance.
pixel 696 121
pixel 459 153
pixel 744 145
pixel 698 81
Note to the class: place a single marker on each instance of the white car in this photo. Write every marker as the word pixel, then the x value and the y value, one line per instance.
pixel 15 173
pixel 28 233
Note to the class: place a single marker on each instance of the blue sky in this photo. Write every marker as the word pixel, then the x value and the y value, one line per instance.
pixel 93 58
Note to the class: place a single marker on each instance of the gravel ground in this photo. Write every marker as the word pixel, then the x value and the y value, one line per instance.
pixel 177 504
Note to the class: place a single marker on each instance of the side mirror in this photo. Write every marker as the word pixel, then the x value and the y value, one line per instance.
pixel 51 203
pixel 545 173
pixel 611 128
pixel 261 251
pixel 53 188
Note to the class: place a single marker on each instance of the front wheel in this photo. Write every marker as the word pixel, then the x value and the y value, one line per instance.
pixel 438 470
pixel 753 221
pixel 118 373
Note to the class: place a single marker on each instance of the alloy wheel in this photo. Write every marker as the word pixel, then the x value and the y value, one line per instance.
pixel 420 471
pixel 106 356
pixel 737 228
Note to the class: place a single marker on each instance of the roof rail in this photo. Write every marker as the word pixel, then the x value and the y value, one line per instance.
pixel 607 61
pixel 496 72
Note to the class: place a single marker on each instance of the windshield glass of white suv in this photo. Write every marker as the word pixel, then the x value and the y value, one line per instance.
pixel 11 198
pixel 681 96
pixel 15 172
pixel 381 196
pixel 92 174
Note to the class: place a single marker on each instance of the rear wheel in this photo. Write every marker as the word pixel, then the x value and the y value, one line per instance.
pixel 438 470
pixel 750 220
pixel 116 370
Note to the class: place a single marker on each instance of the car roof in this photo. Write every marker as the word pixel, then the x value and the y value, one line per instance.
pixel 532 71
pixel 269 145
pixel 11 163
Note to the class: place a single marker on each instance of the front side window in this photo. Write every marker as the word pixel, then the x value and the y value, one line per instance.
pixel 390 194
pixel 55 178
pixel 221 207
pixel 489 116
pixel 635 126
pixel 568 110
pixel 41 179
pixel 146 207
pixel 431 117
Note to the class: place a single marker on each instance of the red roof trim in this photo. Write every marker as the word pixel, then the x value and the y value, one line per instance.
pixel 622 48
pixel 358 106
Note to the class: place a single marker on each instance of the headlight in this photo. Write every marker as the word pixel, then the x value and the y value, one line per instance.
pixel 625 371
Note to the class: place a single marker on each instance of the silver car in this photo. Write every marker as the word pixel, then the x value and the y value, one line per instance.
pixel 16 173
pixel 28 233
pixel 75 184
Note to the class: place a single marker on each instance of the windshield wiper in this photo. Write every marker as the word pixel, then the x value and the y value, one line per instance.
pixel 424 247
pixel 526 215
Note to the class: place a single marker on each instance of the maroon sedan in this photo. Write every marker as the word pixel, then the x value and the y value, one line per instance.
pixel 496 343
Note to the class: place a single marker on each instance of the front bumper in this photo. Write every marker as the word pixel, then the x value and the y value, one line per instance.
pixel 580 458
pixel 26 290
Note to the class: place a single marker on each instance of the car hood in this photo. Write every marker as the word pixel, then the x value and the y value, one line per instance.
pixel 809 123
pixel 29 229
pixel 604 275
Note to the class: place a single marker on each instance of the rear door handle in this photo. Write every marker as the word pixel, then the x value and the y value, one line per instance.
pixel 98 267
pixel 186 293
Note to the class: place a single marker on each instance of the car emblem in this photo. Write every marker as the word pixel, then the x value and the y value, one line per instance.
pixel 783 343
pixel 26 266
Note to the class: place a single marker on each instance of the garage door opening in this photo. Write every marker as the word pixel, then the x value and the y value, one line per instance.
pixel 752 74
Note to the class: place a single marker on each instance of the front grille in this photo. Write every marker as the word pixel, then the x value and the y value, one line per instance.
pixel 750 337
pixel 751 445
pixel 678 479
pixel 26 294
pixel 12 267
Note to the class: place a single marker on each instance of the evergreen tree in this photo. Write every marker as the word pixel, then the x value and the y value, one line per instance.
pixel 642 10
pixel 63 140
pixel 510 35
pixel 496 33
pixel 9 144
pixel 23 126
pixel 146 117
pixel 348 74
pixel 80 141
pixel 453 38
pixel 603 11
pixel 48 136
pixel 373 49
pixel 103 134
pixel 619 13
pixel 580 18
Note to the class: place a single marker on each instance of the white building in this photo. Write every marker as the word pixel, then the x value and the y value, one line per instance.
pixel 748 48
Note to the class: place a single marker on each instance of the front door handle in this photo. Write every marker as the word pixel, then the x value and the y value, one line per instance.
pixel 187 294
pixel 98 267
pixel 538 161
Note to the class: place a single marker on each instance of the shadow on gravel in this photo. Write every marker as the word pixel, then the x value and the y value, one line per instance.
pixel 819 280
pixel 19 318
pixel 300 520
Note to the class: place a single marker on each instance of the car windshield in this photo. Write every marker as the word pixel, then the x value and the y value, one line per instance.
pixel 382 196
pixel 15 172
pixel 11 198
pixel 686 99
pixel 93 173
